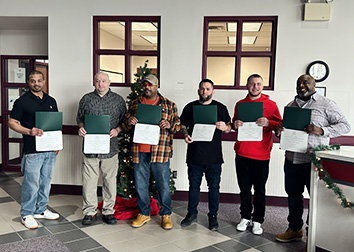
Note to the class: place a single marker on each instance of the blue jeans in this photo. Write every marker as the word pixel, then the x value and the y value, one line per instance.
pixel 212 176
pixel 161 173
pixel 37 169
pixel 297 176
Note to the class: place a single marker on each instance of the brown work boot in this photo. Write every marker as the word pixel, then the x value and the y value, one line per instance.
pixel 140 220
pixel 289 236
pixel 166 222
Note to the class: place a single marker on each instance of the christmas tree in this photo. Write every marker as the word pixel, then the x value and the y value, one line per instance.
pixel 125 177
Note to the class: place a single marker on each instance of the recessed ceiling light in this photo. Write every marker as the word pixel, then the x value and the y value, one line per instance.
pixel 248 40
pixel 251 27
pixel 150 39
pixel 137 26
pixel 231 27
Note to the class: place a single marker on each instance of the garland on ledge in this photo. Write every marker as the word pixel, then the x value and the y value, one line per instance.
pixel 323 174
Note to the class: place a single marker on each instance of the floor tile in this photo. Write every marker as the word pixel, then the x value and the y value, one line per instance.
pixel 164 248
pixel 271 247
pixel 3 193
pixel 208 249
pixel 72 235
pixel 232 245
pixel 251 240
pixel 62 227
pixel 28 234
pixel 126 246
pixel 6 199
pixel 82 245
pixel 7 238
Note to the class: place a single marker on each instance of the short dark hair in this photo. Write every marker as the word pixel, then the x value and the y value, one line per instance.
pixel 253 76
pixel 36 72
pixel 207 80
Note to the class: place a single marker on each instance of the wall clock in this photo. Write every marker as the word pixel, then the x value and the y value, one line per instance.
pixel 318 69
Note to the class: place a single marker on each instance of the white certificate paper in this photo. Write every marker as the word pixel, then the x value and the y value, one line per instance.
pixel 50 141
pixel 146 134
pixel 250 131
pixel 294 140
pixel 96 144
pixel 203 132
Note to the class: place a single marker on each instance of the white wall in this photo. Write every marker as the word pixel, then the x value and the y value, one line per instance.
pixel 298 43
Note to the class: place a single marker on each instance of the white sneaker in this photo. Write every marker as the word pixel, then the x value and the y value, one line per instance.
pixel 242 226
pixel 47 214
pixel 257 229
pixel 29 222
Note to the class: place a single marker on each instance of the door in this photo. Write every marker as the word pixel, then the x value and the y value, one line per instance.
pixel 14 75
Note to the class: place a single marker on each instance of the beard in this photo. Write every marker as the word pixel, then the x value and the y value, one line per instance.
pixel 305 95
pixel 204 99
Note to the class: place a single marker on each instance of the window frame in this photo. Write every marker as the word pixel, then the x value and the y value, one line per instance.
pixel 127 52
pixel 238 53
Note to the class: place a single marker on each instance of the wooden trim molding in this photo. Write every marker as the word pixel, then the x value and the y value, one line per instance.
pixel 179 195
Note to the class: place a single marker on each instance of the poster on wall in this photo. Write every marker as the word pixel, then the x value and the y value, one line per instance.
pixel 20 75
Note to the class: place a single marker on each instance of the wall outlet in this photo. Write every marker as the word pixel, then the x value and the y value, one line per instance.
pixel 174 174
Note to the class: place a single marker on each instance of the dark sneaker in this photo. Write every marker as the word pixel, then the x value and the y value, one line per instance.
pixel 290 235
pixel 213 222
pixel 89 219
pixel 189 219
pixel 109 219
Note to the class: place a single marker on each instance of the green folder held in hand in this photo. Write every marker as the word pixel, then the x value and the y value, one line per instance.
pixel 97 124
pixel 250 111
pixel 49 121
pixel 296 118
pixel 148 114
pixel 205 114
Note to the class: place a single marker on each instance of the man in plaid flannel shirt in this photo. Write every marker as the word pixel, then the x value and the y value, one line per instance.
pixel 154 157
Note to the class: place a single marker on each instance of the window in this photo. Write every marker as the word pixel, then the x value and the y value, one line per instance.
pixel 122 44
pixel 236 47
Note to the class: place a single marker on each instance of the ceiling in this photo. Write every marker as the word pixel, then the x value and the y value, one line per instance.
pixel 23 23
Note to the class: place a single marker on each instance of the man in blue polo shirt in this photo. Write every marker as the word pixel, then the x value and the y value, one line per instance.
pixel 37 167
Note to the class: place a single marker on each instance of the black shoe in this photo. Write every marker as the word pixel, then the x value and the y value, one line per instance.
pixel 109 219
pixel 189 219
pixel 89 219
pixel 213 222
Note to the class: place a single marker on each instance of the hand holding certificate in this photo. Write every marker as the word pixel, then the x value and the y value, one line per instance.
pixel 147 130
pixel 250 131
pixel 97 140
pixel 205 117
pixel 248 113
pixel 51 124
pixel 294 138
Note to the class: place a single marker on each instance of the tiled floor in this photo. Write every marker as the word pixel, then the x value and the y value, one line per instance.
pixel 70 234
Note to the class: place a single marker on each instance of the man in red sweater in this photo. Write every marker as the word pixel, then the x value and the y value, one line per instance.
pixel 252 157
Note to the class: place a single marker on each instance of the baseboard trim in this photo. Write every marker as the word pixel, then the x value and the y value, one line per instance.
pixel 179 195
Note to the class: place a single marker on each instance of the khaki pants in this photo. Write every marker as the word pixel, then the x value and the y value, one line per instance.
pixel 90 173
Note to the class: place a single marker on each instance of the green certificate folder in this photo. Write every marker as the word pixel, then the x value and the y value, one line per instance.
pixel 296 118
pixel 250 111
pixel 97 124
pixel 148 114
pixel 49 121
pixel 205 114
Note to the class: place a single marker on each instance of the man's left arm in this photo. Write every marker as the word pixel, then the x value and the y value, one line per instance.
pixel 275 119
pixel 337 123
pixel 122 109
pixel 174 124
pixel 225 123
